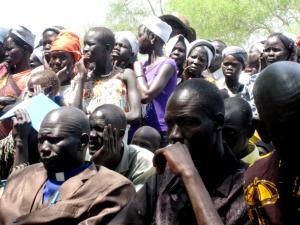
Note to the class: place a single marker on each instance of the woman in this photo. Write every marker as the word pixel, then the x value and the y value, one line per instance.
pixel 233 62
pixel 156 77
pixel 176 49
pixel 125 50
pixel 15 70
pixel 106 84
pixel 200 55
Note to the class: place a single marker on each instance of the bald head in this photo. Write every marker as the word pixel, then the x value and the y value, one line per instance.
pixel 70 119
pixel 147 137
pixel 201 93
pixel 111 114
pixel 277 97
pixel 277 91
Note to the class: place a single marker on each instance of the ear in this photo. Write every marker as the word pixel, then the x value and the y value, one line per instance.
pixel 152 38
pixel 84 139
pixel 121 133
pixel 219 120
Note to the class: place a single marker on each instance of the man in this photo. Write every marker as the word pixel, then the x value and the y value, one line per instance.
pixel 108 125
pixel 195 116
pixel 3 34
pixel 63 189
pixel 215 70
pixel 272 185
pixel 147 137
pixel 238 128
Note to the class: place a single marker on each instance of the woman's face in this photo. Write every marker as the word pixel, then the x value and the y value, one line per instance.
pixel 179 53
pixel 231 67
pixel 122 50
pixel 197 62
pixel 14 55
pixel 62 61
pixel 144 41
pixel 275 50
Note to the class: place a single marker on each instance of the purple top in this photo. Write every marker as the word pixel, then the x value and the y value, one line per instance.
pixel 154 111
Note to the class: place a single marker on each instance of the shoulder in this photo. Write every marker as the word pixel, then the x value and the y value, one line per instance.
pixel 37 167
pixel 262 167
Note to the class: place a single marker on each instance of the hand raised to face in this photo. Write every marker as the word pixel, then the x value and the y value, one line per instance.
pixel 178 158
pixel 21 125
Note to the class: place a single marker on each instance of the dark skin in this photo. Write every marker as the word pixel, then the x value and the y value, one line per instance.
pixel 232 69
pixel 62 63
pixel 188 128
pixel 219 47
pixel 179 54
pixel 106 136
pixel 147 137
pixel 237 128
pixel 151 45
pixel 277 98
pixel 99 54
pixel 48 38
pixel 122 53
pixel 61 143
pixel 196 63
pixel 275 50
pixel 2 52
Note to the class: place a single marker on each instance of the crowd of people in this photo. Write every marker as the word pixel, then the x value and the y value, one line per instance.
pixel 196 133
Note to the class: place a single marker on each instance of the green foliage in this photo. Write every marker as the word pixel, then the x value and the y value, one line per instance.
pixel 234 20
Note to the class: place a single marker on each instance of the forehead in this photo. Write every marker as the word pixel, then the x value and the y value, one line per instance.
pixel 230 59
pixel 9 42
pixel 122 40
pixel 274 40
pixel 57 129
pixel 199 50
pixel 180 44
pixel 98 119
pixel 59 54
pixel 49 34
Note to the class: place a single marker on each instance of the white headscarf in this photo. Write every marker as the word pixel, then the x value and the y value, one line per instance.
pixel 207 46
pixel 172 42
pixel 128 35
pixel 158 27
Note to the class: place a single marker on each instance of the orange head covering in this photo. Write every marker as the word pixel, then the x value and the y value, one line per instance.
pixel 297 42
pixel 67 41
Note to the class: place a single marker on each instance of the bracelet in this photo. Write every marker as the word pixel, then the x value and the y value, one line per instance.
pixel 140 76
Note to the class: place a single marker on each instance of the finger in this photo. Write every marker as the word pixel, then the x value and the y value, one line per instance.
pixel 25 116
pixel 116 139
pixel 18 114
pixel 15 121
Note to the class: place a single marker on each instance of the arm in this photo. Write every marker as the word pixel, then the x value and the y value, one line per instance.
pixel 180 162
pixel 149 92
pixel 133 97
pixel 20 133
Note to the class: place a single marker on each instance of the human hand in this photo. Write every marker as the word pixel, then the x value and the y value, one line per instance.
pixel 21 125
pixel 82 69
pixel 110 152
pixel 178 158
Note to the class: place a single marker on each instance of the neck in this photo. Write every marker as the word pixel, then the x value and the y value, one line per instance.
pixel 102 68
pixel 155 55
pixel 233 85
pixel 23 66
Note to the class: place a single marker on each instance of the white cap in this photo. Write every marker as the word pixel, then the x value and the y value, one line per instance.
pixel 128 35
pixel 158 27
pixel 173 41
pixel 24 34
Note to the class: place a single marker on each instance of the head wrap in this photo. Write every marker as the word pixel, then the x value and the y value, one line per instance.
pixel 209 48
pixel 3 33
pixel 24 34
pixel 128 35
pixel 158 27
pixel 239 53
pixel 297 42
pixel 173 41
pixel 67 41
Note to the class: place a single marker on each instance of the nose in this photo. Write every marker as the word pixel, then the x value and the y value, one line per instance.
pixel 45 149
pixel 175 134
pixel 86 48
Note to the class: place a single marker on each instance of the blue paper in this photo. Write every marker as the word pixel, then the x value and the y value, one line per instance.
pixel 37 107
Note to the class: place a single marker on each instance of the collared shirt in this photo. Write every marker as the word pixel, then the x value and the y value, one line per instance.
pixel 164 200
pixel 136 165
pixel 252 156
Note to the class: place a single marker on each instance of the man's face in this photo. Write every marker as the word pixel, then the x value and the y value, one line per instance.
pixel 93 50
pixel 59 147
pixel 122 50
pixel 179 53
pixel 97 124
pixel 275 50
pixel 231 68
pixel 188 123
pixel 197 61
pixel 14 55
